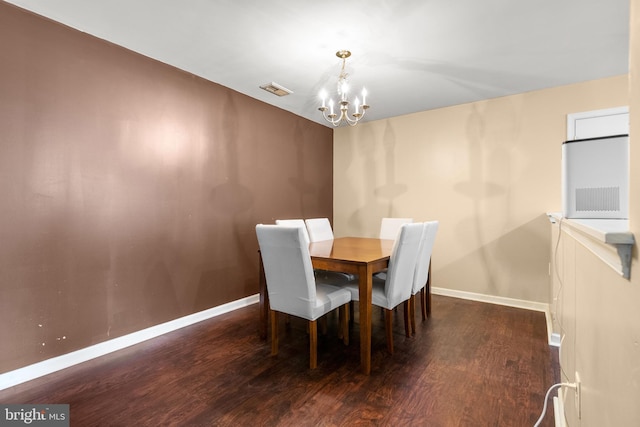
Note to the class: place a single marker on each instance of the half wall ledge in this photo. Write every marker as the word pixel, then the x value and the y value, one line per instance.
pixel 608 239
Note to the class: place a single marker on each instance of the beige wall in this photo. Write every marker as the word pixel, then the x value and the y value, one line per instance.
pixel 599 323
pixel 488 171
pixel 598 315
pixel 634 123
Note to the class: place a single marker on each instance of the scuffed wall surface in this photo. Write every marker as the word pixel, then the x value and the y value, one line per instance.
pixel 130 189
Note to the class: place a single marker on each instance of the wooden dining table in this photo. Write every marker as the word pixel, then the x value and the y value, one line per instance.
pixel 356 255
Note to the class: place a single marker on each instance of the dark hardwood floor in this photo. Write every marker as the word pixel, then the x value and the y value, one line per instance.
pixel 470 364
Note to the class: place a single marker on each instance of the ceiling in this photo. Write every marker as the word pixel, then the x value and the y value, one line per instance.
pixel 411 55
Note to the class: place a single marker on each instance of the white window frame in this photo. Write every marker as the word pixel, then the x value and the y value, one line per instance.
pixel 572 119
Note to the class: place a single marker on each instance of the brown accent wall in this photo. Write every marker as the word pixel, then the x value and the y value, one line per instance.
pixel 129 190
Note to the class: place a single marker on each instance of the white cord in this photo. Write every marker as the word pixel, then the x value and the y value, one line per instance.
pixel 555 267
pixel 546 398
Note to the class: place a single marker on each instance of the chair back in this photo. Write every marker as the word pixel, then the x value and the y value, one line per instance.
pixel 402 264
pixel 424 255
pixel 390 227
pixel 319 229
pixel 288 270
pixel 296 223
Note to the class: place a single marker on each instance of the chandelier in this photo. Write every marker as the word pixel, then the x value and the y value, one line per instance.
pixel 343 89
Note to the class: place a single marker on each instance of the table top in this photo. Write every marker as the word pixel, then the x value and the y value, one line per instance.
pixel 353 249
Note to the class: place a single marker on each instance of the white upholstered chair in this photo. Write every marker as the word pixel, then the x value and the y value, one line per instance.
pixel 397 287
pixel 319 229
pixel 423 271
pixel 296 223
pixel 292 287
pixel 389 230
pixel 334 277
pixel 390 227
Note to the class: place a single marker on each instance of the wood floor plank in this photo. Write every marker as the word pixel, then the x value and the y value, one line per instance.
pixel 469 364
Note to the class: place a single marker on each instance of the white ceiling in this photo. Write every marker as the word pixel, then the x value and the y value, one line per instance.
pixel 411 55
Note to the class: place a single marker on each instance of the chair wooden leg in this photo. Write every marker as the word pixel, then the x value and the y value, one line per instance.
pixel 274 332
pixel 351 313
pixel 423 303
pixel 323 325
pixel 344 323
pixel 407 312
pixel 388 317
pixel 412 313
pixel 313 344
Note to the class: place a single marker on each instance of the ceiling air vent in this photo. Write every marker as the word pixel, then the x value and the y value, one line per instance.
pixel 276 89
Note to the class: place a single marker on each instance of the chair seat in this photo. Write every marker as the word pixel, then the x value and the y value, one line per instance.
pixel 378 296
pixel 382 275
pixel 328 298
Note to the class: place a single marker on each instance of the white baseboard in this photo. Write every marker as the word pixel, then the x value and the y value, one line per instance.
pixel 554 338
pixel 510 302
pixel 28 373
pixel 492 299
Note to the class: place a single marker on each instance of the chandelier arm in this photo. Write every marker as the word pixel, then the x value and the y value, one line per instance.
pixel 351 122
pixel 333 121
pixel 344 116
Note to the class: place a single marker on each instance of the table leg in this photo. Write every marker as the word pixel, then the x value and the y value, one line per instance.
pixel 365 284
pixel 264 302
